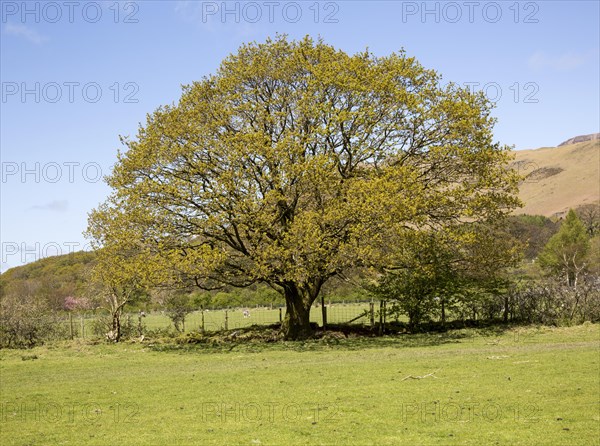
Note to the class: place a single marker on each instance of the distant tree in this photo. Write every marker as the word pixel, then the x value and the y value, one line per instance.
pixel 200 299
pixel 72 303
pixel 177 305
pixel 566 252
pixel 589 214
pixel 438 270
pixel 113 283
pixel 297 161
pixel 533 231
pixel 594 256
pixel 418 292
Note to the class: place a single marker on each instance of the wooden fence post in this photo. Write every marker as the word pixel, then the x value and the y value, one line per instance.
pixel 140 330
pixel 71 323
pixel 372 314
pixel 280 317
pixel 381 316
pixel 202 310
pixel 324 314
pixel 226 320
pixel 443 312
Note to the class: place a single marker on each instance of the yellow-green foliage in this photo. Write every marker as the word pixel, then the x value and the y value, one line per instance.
pixel 294 162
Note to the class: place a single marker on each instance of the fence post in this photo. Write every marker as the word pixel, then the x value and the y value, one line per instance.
pixel 443 312
pixel 324 312
pixel 140 316
pixel 280 318
pixel 381 306
pixel 71 324
pixel 384 314
pixel 226 319
pixel 372 314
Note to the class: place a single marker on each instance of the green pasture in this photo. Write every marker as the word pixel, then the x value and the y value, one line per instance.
pixel 216 319
pixel 481 387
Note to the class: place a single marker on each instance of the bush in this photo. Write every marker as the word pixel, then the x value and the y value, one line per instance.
pixel 178 306
pixel 554 303
pixel 102 325
pixel 27 321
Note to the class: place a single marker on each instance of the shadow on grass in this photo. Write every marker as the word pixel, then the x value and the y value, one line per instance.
pixel 257 339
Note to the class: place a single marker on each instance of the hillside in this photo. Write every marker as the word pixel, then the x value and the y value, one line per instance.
pixel 581 138
pixel 53 277
pixel 559 178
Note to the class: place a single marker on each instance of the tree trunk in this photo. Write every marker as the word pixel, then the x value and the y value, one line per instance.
pixel 116 326
pixel 296 324
pixel 116 310
pixel 570 278
pixel 443 312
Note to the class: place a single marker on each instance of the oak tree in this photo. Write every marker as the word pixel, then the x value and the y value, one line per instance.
pixel 296 161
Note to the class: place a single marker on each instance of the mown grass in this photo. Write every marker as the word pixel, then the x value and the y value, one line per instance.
pixel 497 387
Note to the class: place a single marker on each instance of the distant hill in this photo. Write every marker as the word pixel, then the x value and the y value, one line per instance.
pixel 581 138
pixel 54 277
pixel 559 178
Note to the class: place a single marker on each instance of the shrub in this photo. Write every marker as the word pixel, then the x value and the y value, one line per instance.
pixel 103 323
pixel 555 303
pixel 26 321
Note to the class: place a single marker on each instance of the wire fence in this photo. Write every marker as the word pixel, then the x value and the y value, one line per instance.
pixel 85 325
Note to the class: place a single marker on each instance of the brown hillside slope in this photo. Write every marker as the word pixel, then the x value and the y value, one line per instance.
pixel 559 178
pixel 581 138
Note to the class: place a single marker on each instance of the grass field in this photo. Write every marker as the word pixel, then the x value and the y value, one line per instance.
pixel 520 386
pixel 215 319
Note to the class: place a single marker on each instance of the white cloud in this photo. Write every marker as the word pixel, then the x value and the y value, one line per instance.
pixel 559 62
pixel 25 32
pixel 54 206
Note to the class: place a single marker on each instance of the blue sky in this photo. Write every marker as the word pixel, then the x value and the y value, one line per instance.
pixel 76 75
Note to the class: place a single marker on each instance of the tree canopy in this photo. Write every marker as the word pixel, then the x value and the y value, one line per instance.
pixel 566 251
pixel 296 161
pixel 436 271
